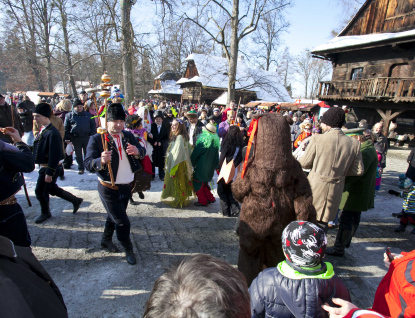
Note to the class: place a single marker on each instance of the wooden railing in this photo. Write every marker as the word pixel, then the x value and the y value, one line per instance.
pixel 379 88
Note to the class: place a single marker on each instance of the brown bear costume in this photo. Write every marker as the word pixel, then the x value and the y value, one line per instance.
pixel 274 192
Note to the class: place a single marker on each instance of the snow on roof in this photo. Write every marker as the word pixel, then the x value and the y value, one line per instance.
pixel 355 40
pixel 222 99
pixel 167 87
pixel 213 72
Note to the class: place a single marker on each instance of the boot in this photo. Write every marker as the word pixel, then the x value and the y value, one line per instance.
pixel 141 195
pixel 400 228
pixel 106 241
pixel 45 212
pixel 354 228
pixel 132 202
pixel 71 198
pixel 129 252
pixel 343 237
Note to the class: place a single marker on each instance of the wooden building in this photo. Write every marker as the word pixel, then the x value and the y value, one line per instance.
pixel 165 87
pixel 206 78
pixel 373 64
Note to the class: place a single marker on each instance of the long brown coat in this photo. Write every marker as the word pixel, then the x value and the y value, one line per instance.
pixel 331 157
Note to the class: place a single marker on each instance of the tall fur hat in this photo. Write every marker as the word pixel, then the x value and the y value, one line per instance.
pixel 115 112
pixel 334 117
pixel 273 137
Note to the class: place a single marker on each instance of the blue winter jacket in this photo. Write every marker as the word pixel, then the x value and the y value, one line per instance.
pixel 283 292
pixel 79 124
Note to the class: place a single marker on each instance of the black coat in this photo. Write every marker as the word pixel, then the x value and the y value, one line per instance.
pixel 47 148
pixel 198 131
pixel 410 173
pixel 94 149
pixel 11 163
pixel 6 121
pixel 159 153
pixel 27 290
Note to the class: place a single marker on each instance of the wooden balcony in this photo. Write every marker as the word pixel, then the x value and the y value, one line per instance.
pixel 379 89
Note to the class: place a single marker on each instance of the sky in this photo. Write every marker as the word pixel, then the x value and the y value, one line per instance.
pixel 311 24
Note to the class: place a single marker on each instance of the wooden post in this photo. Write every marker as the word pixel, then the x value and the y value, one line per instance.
pixel 387 117
pixel 411 87
pixel 320 88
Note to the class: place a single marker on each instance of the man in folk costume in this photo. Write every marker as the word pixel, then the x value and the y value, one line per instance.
pixel 159 139
pixel 124 153
pixel 205 160
pixel 331 156
pixel 48 153
pixel 195 127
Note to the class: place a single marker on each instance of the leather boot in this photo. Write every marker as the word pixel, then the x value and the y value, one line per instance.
pixel 132 202
pixel 343 237
pixel 129 252
pixel 106 241
pixel 71 198
pixel 354 228
pixel 45 212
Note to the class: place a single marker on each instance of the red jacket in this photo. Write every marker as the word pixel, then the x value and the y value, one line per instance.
pixel 395 296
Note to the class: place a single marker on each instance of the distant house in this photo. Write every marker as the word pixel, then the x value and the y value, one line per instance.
pixel 165 87
pixel 373 64
pixel 206 78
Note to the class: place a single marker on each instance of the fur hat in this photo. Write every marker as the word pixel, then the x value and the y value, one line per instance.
pixel 304 244
pixel 334 117
pixel 158 113
pixel 43 109
pixel 210 128
pixel 115 112
pixel 273 137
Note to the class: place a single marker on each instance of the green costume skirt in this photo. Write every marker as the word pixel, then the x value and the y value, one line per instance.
pixel 177 190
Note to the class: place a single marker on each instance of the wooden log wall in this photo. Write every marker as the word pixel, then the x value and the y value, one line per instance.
pixel 383 16
pixel 376 62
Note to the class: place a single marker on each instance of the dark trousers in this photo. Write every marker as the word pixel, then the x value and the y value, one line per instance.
pixel 228 203
pixel 115 203
pixel 67 161
pixel 13 225
pixel 350 220
pixel 161 171
pixel 79 145
pixel 44 189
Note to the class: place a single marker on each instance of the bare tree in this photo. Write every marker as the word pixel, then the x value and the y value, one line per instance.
pixel 43 14
pixel 267 39
pixel 21 14
pixel 311 72
pixel 217 17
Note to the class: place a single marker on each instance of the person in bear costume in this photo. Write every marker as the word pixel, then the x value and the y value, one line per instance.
pixel 273 190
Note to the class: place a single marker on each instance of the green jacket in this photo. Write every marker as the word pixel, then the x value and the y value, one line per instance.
pixel 359 192
pixel 205 161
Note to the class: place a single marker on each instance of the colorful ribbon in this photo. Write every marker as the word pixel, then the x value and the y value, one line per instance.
pixel 253 128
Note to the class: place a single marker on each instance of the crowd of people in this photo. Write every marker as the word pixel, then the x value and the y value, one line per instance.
pixel 285 176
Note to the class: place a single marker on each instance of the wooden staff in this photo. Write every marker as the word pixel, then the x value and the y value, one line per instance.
pixel 25 190
pixel 239 104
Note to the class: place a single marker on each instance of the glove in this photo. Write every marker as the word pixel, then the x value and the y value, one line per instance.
pixel 394 192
